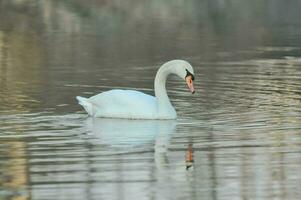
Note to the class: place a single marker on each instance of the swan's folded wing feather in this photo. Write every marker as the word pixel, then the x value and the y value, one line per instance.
pixel 124 103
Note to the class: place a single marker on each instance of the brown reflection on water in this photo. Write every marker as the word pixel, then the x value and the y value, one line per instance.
pixel 14 174
pixel 21 67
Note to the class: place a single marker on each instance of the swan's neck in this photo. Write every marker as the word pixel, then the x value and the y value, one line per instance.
pixel 164 104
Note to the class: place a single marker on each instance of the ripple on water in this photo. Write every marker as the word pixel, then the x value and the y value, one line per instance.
pixel 242 124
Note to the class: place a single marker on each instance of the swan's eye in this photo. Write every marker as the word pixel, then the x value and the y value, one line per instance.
pixel 189 74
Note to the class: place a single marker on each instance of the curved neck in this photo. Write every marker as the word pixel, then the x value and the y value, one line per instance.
pixel 160 90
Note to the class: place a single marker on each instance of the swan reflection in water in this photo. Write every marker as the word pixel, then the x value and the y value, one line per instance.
pixel 131 133
pixel 134 136
pixel 120 134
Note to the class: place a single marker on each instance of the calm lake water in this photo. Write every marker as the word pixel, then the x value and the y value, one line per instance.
pixel 242 126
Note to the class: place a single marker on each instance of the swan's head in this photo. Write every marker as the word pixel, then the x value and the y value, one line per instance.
pixel 184 70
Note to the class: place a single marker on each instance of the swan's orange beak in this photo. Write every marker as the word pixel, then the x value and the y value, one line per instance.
pixel 189 83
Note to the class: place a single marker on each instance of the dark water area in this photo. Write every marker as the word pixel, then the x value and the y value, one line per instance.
pixel 240 131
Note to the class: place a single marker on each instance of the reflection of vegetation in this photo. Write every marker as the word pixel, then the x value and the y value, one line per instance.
pixel 14 172
pixel 20 63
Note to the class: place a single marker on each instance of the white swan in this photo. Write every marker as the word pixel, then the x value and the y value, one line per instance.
pixel 132 104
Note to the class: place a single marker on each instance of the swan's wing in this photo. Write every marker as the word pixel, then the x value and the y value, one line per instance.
pixel 124 103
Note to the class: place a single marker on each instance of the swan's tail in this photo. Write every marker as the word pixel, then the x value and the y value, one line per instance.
pixel 86 104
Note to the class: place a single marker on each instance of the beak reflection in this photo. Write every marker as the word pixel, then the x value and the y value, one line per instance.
pixel 189 157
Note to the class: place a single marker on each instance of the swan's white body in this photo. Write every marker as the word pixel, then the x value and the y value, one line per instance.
pixel 122 104
pixel 133 104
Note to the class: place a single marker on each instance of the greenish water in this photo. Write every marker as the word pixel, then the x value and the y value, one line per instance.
pixel 243 122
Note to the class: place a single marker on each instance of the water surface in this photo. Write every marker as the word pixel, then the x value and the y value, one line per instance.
pixel 243 122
